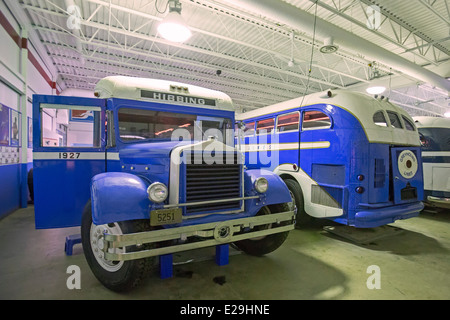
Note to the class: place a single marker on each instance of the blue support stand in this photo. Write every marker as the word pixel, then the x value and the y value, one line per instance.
pixel 166 261
pixel 70 242
pixel 166 266
pixel 222 253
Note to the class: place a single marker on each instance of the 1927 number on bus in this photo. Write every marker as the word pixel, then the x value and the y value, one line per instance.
pixel 69 155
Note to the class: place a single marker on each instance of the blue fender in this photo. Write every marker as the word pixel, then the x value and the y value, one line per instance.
pixel 277 192
pixel 118 196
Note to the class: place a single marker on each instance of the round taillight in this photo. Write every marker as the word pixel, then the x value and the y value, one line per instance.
pixel 359 189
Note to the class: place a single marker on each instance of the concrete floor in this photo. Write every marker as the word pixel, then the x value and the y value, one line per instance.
pixel 413 257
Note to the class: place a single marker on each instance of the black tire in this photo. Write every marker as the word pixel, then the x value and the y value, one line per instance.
pixel 302 218
pixel 118 276
pixel 264 245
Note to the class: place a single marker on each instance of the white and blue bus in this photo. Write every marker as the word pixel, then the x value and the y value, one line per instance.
pixel 344 156
pixel 146 170
pixel 435 137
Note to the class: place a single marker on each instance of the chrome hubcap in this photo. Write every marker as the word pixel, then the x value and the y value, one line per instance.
pixel 97 245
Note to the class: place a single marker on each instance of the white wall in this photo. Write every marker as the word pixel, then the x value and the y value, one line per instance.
pixel 77 93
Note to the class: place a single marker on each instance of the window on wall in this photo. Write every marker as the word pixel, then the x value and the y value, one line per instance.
pixel 314 120
pixel 379 119
pixel 288 122
pixel 69 126
pixel 265 126
pixel 394 119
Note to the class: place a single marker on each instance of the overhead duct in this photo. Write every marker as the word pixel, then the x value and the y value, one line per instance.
pixel 292 16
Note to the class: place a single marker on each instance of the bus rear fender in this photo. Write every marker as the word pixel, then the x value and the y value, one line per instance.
pixel 286 171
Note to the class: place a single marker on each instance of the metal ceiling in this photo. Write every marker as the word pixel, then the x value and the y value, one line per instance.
pixel 255 59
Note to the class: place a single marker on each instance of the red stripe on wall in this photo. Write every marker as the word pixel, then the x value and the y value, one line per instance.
pixel 9 29
pixel 39 68
pixel 22 43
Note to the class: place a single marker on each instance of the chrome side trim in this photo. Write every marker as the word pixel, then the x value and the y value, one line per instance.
pixel 444 202
pixel 166 206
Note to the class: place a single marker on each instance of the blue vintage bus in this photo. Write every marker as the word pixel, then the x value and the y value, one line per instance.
pixel 149 168
pixel 344 156
pixel 435 138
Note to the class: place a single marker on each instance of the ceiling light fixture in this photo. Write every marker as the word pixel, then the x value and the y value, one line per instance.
pixel 376 90
pixel 328 46
pixel 173 27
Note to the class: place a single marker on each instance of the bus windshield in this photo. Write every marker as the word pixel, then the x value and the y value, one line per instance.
pixel 435 139
pixel 141 124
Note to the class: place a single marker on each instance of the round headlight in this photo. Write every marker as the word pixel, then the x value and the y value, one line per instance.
pixel 261 185
pixel 157 192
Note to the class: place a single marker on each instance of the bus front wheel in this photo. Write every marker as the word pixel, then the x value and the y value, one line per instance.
pixel 117 276
pixel 260 246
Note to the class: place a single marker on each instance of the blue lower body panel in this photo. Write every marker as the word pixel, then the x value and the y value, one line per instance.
pixel 371 218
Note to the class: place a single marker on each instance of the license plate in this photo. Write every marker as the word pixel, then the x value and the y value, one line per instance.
pixel 165 216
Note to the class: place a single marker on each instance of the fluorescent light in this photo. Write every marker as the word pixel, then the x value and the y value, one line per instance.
pixel 447 114
pixel 173 27
pixel 375 90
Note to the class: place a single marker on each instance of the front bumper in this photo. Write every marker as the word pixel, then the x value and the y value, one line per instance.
pixel 439 202
pixel 199 236
pixel 371 218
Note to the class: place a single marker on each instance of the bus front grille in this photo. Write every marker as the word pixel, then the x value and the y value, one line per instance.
pixel 220 180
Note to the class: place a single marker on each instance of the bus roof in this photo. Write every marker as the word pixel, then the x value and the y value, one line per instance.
pixel 431 122
pixel 162 91
pixel 362 106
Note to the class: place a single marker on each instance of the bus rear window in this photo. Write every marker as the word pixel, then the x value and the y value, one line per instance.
pixel 394 119
pixel 379 119
pixel 288 122
pixel 313 120
pixel 265 126
pixel 408 124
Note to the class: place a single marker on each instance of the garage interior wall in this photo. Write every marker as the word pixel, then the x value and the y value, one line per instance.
pixel 22 74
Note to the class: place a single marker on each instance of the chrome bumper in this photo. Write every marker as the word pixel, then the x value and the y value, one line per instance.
pixel 441 202
pixel 210 234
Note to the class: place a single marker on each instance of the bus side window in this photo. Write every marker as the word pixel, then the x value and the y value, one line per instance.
pixel 288 122
pixel 249 129
pixel 67 126
pixel 394 119
pixel 379 119
pixel 313 120
pixel 408 124
pixel 265 126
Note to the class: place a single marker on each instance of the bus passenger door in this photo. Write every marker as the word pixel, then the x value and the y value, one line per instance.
pixel 68 150
pixel 325 196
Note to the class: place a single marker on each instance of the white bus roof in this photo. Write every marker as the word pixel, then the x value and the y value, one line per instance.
pixel 162 91
pixel 431 122
pixel 362 106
